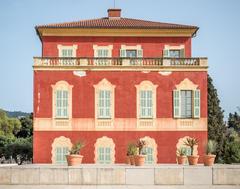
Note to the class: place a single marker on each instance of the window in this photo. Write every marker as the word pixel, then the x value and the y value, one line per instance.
pixel 66 52
pixel 186 104
pixel 60 148
pixel 104 105
pixel 150 150
pixel 62 100
pixel 104 155
pixel 146 101
pixel 174 53
pixel 146 104
pixel 186 100
pixel 149 155
pixel 102 54
pixel 61 103
pixel 131 53
pixel 104 150
pixel 61 153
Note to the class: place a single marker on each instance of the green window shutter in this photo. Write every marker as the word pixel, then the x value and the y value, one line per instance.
pixel 197 103
pixel 182 53
pixel 122 53
pixel 166 53
pixel 140 53
pixel 176 104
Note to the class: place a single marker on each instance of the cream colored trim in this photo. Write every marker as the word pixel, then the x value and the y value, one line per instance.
pixel 181 144
pixel 61 47
pixel 104 142
pixel 60 142
pixel 62 85
pixel 123 124
pixel 186 84
pixel 169 47
pixel 104 84
pixel 126 47
pixel 115 32
pixel 150 142
pixel 108 47
pixel 146 123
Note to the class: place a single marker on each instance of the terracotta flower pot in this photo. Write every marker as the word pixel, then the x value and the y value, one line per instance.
pixel 74 159
pixel 209 159
pixel 132 161
pixel 128 160
pixel 181 159
pixel 193 160
pixel 139 160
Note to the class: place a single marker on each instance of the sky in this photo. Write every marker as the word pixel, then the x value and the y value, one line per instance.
pixel 218 38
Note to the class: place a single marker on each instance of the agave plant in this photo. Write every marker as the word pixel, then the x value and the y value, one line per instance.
pixel 140 145
pixel 181 152
pixel 76 148
pixel 131 149
pixel 191 142
pixel 211 147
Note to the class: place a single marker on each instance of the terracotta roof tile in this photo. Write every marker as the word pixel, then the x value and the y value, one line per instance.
pixel 117 23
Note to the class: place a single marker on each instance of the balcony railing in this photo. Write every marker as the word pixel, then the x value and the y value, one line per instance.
pixel 119 62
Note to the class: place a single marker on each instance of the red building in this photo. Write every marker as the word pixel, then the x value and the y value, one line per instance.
pixel 113 80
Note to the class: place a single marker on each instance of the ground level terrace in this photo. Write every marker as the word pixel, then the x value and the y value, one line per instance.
pixel 120 176
pixel 106 147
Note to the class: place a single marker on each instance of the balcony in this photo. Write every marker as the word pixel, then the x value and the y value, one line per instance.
pixel 120 63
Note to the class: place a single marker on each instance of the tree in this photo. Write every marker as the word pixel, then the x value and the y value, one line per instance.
pixel 20 150
pixel 26 127
pixel 216 125
pixel 234 121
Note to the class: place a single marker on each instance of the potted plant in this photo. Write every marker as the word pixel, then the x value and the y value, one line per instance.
pixel 191 142
pixel 209 158
pixel 140 158
pixel 131 152
pixel 74 157
pixel 181 156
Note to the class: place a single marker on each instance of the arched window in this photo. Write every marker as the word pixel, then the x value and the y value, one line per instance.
pixel 104 151
pixel 62 100
pixel 150 150
pixel 60 148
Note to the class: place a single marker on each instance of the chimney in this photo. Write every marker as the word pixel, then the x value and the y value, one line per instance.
pixel 114 13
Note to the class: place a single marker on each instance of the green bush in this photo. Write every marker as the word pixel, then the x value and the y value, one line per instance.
pixel 20 150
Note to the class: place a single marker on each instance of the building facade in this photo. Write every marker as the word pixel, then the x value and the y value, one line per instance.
pixel 113 80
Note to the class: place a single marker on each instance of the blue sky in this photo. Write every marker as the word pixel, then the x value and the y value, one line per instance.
pixel 218 38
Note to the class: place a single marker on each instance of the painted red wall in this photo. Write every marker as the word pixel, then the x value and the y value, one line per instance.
pixel 125 91
pixel 152 46
pixel 166 143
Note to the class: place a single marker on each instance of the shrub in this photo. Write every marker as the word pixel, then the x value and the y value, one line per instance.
pixel 211 147
pixel 131 149
pixel 76 148
pixel 191 142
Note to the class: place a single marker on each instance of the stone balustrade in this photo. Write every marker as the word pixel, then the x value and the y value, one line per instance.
pixel 161 175
pixel 55 62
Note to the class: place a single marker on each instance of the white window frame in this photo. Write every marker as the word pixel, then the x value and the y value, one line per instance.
pixel 63 86
pixel 187 85
pixel 60 142
pixel 151 143
pixel 103 62
pixel 67 47
pixel 101 122
pixel 104 142
pixel 167 48
pixel 127 62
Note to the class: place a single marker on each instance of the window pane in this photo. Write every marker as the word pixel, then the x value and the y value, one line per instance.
pixel 174 53
pixel 104 105
pixel 186 103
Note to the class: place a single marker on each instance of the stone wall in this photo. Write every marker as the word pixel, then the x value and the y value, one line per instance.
pixel 121 175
